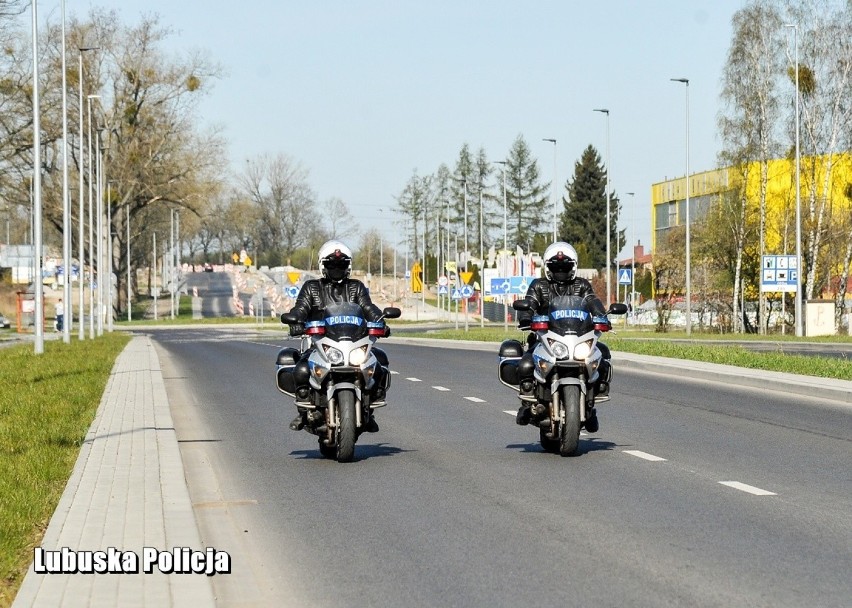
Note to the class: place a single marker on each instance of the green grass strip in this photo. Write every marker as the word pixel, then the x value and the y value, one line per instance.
pixel 47 404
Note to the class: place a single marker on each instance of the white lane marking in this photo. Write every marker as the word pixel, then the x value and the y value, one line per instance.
pixel 644 455
pixel 747 488
pixel 394 372
pixel 511 412
pixel 475 399
pixel 414 379
pixel 440 388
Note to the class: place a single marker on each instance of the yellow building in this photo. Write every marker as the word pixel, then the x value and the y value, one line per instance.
pixel 668 198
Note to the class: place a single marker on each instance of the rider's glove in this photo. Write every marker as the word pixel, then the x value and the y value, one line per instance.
pixel 602 323
pixel 297 329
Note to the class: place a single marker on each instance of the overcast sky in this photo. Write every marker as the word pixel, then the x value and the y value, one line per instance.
pixel 364 92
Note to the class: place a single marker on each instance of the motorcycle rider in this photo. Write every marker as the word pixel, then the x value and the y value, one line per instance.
pixel 560 279
pixel 335 287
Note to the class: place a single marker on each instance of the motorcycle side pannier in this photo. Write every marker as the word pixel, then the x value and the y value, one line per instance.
pixel 285 363
pixel 511 352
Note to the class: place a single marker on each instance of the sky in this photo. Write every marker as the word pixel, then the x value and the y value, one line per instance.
pixel 364 93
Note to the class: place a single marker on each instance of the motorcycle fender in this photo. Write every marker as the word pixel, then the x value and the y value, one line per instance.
pixel 583 396
pixel 333 388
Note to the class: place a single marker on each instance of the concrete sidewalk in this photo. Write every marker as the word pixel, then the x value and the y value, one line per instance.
pixel 128 492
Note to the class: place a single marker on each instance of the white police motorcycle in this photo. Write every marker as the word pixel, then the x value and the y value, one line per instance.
pixel 566 361
pixel 343 368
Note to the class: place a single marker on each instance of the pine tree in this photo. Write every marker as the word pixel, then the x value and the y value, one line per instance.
pixel 583 220
pixel 527 198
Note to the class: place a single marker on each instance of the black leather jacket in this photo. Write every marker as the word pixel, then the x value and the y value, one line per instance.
pixel 316 294
pixel 540 291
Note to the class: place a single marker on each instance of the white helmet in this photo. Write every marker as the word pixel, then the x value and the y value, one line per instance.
pixel 335 261
pixel 560 262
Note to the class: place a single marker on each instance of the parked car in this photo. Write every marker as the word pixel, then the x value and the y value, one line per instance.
pixel 4 321
pixel 208 267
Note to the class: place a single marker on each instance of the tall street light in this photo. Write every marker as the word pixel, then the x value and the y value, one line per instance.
pixel 799 269
pixel 608 256
pixel 37 236
pixel 685 81
pixel 632 254
pixel 89 99
pixel 503 164
pixel 81 240
pixel 66 202
pixel 554 188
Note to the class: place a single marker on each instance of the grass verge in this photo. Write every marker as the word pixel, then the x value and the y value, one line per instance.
pixel 698 348
pixel 47 404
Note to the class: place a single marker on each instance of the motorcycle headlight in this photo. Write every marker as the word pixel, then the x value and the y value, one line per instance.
pixel 334 356
pixel 583 350
pixel 358 356
pixel 560 351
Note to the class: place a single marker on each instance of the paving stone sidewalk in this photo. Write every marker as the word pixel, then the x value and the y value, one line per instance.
pixel 127 491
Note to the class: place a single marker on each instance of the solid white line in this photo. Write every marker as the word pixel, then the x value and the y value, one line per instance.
pixel 414 379
pixel 440 388
pixel 644 455
pixel 475 399
pixel 746 488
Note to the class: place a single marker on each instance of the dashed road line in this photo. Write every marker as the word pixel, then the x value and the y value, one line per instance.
pixel 476 399
pixel 394 372
pixel 440 388
pixel 644 455
pixel 414 379
pixel 747 488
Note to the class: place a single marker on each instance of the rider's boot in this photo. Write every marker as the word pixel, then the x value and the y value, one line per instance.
pixel 372 426
pixel 592 425
pixel 299 421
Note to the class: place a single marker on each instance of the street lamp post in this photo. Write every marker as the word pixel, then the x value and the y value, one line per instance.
pixel 68 314
pixel 81 334
pixel 608 255
pixel 91 229
pixel 505 245
pixel 685 81
pixel 553 188
pixel 799 269
pixel 37 230
pixel 632 255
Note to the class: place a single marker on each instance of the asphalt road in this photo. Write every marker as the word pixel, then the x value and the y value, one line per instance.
pixel 690 494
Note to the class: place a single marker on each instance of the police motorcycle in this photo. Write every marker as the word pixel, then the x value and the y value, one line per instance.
pixel 344 369
pixel 566 360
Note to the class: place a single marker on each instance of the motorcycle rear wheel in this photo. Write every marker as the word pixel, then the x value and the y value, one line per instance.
pixel 346 431
pixel 570 432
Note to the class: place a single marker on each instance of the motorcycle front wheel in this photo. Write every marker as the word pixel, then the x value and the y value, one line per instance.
pixel 346 431
pixel 570 431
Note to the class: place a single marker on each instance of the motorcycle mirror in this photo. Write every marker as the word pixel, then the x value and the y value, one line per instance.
pixel 289 318
pixel 522 304
pixel 617 308
pixel 391 312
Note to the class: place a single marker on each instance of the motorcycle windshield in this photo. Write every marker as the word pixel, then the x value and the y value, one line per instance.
pixel 569 315
pixel 344 322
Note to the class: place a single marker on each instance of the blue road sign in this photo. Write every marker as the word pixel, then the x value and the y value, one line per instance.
pixel 456 294
pixel 625 276
pixel 500 286
pixel 779 273
pixel 292 291
pixel 466 291
pixel 442 290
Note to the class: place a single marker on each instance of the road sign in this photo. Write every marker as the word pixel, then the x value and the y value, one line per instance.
pixel 466 291
pixel 625 276
pixel 443 280
pixel 500 286
pixel 779 273
pixel 456 294
pixel 294 277
pixel 442 290
pixel 466 277
pixel 292 291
